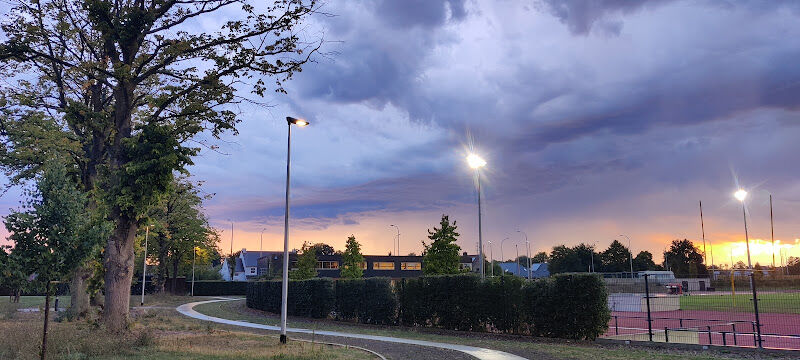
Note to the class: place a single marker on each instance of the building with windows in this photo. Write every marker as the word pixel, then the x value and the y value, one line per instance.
pixel 374 265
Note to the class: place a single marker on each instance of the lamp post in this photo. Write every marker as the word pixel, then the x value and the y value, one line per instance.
pixel 772 231
pixel 491 258
pixel 398 239
pixel 591 251
pixel 528 251
pixel 516 246
pixel 476 163
pixel 144 260
pixel 741 195
pixel 285 280
pixel 261 246
pixel 232 239
pixel 630 252
pixel 502 259
pixel 194 258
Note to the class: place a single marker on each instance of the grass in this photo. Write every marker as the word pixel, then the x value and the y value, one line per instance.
pixel 526 346
pixel 156 333
pixel 783 303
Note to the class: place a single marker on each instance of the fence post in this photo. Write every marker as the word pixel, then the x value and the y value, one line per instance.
pixel 755 308
pixel 710 342
pixel 733 327
pixel 647 298
pixel 616 325
pixel 666 334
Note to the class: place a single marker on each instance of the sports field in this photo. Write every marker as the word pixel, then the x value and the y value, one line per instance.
pixel 774 302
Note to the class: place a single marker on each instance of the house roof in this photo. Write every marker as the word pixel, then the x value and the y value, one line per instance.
pixel 251 257
pixel 513 268
pixel 239 265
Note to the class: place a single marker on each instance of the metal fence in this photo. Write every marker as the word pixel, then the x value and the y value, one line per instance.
pixel 741 308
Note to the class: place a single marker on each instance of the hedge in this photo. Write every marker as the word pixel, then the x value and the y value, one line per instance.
pixel 570 306
pixel 311 298
pixel 218 288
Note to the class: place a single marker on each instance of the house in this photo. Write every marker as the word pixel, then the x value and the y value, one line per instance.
pixel 225 270
pixel 537 270
pixel 395 267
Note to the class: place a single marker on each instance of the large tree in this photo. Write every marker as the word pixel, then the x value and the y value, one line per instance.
pixel 684 259
pixel 132 82
pixel 306 264
pixel 441 255
pixel 575 259
pixel 352 259
pixel 617 258
pixel 644 261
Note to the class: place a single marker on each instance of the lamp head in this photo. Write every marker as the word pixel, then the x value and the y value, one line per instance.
pixel 740 195
pixel 475 161
pixel 298 122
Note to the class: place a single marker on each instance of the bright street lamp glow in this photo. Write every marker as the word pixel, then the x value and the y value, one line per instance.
pixel 301 123
pixel 740 195
pixel 475 161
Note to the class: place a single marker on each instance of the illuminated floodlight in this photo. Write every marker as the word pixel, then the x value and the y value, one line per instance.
pixel 740 195
pixel 475 161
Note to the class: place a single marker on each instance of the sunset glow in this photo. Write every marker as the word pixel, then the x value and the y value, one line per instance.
pixel 761 251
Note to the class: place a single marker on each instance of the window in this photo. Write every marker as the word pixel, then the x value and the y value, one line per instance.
pixel 363 265
pixel 327 265
pixel 410 266
pixel 381 265
pixel 252 270
pixel 463 266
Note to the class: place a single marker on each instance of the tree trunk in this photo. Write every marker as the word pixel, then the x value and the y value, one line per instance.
pixel 79 293
pixel 174 277
pixel 118 261
pixel 46 317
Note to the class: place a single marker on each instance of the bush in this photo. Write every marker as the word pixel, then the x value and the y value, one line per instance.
pixel 219 288
pixel 311 298
pixel 572 306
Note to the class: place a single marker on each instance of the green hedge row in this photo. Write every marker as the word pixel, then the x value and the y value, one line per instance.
pixel 218 288
pixel 572 306
pixel 310 298
pixel 369 301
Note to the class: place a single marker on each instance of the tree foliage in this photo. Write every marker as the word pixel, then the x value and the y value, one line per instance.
pixel 684 259
pixel 441 256
pixel 352 259
pixel 321 249
pixel 575 259
pixel 306 264
pixel 617 258
pixel 129 85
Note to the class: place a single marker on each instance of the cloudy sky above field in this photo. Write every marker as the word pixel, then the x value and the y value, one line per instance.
pixel 596 118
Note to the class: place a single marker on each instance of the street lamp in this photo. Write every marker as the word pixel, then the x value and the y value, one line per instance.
pixel 398 239
pixel 262 242
pixel 476 163
pixel 491 258
pixel 594 244
pixel 194 257
pixel 285 281
pixel 144 260
pixel 630 252
pixel 232 239
pixel 741 195
pixel 528 251
pixel 502 259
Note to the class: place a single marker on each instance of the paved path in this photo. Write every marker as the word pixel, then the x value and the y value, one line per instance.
pixel 480 353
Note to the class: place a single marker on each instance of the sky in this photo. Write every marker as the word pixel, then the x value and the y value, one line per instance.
pixel 596 119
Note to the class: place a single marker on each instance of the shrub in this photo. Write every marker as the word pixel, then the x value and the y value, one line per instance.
pixel 219 288
pixel 571 306
pixel 311 298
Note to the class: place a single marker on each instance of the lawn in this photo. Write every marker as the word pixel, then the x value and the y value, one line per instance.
pixel 526 346
pixel 784 303
pixel 159 332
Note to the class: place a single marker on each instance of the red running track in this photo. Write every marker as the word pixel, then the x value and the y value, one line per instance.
pixel 780 331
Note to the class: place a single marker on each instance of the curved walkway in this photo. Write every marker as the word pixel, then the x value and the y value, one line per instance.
pixel 480 353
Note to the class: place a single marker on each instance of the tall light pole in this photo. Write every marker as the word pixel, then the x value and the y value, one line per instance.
pixel 630 252
pixel 476 162
pixel 592 252
pixel 285 280
pixel 232 240
pixel 398 239
pixel 703 230
pixel 772 231
pixel 502 259
pixel 491 258
pixel 741 195
pixel 261 246
pixel 144 260
pixel 194 258
pixel 528 251
pixel 516 246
